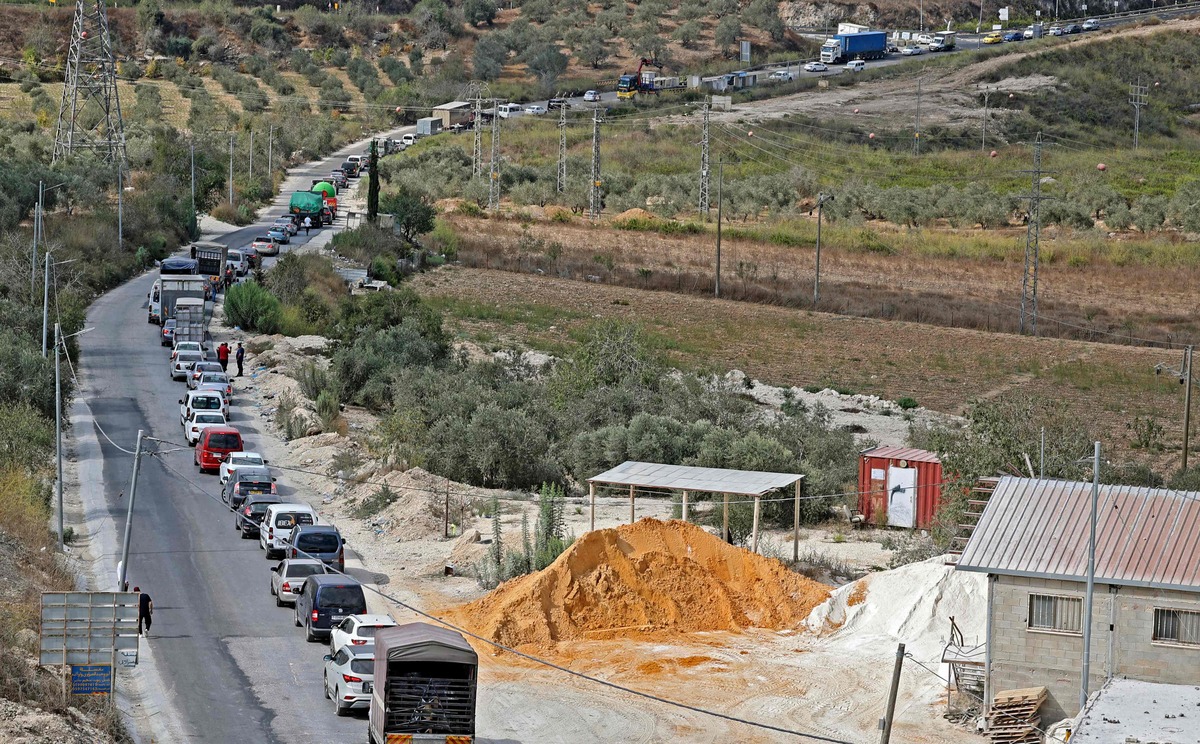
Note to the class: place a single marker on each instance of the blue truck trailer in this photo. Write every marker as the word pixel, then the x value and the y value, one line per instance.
pixel 862 45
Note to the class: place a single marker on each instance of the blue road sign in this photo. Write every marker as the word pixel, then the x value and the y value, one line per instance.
pixel 91 679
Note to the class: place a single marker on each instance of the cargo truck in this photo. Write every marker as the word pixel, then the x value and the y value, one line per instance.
pixel 307 204
pixel 328 194
pixel 423 688
pixel 176 287
pixel 943 41
pixel 429 126
pixel 862 45
pixel 210 258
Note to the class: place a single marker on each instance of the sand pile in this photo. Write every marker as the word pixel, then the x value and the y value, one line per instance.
pixel 647 577
pixel 634 214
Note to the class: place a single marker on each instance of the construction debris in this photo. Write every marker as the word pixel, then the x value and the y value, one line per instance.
pixel 1014 716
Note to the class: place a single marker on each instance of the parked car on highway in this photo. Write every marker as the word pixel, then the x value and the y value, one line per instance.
pixel 238 459
pixel 216 442
pixel 278 523
pixel 816 67
pixel 926 39
pixel 781 76
pixel 535 109
pixel 1072 28
pixel 350 168
pixel 409 139
pixel 287 577
pixel 268 245
pixel 168 332
pixel 994 37
pixel 201 400
pixel 198 421
pixel 246 519
pixel 1091 24
pixel 324 601
pixel 247 481
pixel 239 263
pixel 288 224
pixel 1056 30
pixel 1014 36
pixel 357 630
pixel 181 365
pixel 218 381
pixel 198 370
pixel 349 678
pixel 195 346
pixel 320 542
pixel 326 216
pixel 855 65
pixel 912 51
pixel 591 96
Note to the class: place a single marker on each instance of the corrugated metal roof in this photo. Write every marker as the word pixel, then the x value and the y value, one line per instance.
pixel 902 453
pixel 685 478
pixel 1039 528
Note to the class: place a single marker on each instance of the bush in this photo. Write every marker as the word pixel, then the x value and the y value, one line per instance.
pixel 312 380
pixel 252 308
pixel 375 503
pixel 328 410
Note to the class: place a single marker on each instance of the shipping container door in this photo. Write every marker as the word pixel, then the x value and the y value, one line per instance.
pixel 878 495
pixel 902 497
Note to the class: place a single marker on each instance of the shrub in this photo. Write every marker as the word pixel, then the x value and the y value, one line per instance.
pixel 907 403
pixel 312 380
pixel 375 503
pixel 328 409
pixel 252 308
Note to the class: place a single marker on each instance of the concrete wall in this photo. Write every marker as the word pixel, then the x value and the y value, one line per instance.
pixel 1031 658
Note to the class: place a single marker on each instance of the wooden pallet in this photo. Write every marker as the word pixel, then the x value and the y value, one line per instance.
pixel 1014 718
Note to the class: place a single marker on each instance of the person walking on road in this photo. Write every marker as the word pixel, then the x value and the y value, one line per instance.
pixel 228 276
pixel 223 356
pixel 145 610
pixel 239 356
pixel 307 224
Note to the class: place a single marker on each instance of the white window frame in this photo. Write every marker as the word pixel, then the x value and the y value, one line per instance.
pixel 1187 621
pixel 1065 606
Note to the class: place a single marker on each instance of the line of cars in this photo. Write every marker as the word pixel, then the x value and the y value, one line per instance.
pixel 326 603
pixel 997 37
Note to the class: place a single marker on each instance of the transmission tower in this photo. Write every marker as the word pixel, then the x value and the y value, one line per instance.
pixel 494 180
pixel 562 149
pixel 477 92
pixel 89 117
pixel 1138 95
pixel 594 211
pixel 704 158
pixel 1029 282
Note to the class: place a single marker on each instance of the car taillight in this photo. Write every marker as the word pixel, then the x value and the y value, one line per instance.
pixel 287 587
pixel 270 533
pixel 315 616
pixel 358 641
pixel 351 678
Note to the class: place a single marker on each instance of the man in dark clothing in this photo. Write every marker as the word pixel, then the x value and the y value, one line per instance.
pixel 223 355
pixel 228 276
pixel 145 610
pixel 239 356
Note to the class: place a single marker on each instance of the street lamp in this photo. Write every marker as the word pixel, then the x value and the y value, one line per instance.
pixel 58 343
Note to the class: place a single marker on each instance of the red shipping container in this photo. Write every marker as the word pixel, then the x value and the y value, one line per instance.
pixel 899 486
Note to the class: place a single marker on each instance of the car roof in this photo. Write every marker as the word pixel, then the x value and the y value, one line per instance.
pixel 208 393
pixel 372 619
pixel 260 498
pixel 293 506
pixel 334 579
pixel 221 430
pixel 252 472
pixel 303 562
pixel 317 528
pixel 245 453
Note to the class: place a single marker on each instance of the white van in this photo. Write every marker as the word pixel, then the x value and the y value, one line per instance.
pixel 408 139
pixel 856 65
pixel 509 110
pixel 237 260
pixel 277 525
pixel 154 308
pixel 202 400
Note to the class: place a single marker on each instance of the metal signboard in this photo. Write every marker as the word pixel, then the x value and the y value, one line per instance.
pixel 87 628
pixel 1004 14
pixel 745 51
pixel 91 679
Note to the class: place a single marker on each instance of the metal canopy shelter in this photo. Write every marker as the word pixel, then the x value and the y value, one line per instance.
pixel 707 480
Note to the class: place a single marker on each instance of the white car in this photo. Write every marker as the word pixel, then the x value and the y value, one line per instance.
pixel 289 576
pixel 925 39
pixel 1091 24
pixel 591 96
pixel 198 421
pixel 216 381
pixel 1056 31
pixel 349 678
pixel 910 51
pixel 237 459
pixel 535 109
pixel 237 262
pixel 181 364
pixel 855 65
pixel 198 370
pixel 186 346
pixel 208 401
pixel 357 630
pixel 782 76
pixel 816 67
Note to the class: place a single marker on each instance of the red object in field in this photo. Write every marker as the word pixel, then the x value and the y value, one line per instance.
pixel 399 110
pixel 1101 166
pixel 83 34
pixel 856 111
pixel 899 486
pixel 871 135
pixel 995 154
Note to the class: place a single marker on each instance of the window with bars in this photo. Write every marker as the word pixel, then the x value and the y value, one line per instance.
pixel 1051 612
pixel 1177 626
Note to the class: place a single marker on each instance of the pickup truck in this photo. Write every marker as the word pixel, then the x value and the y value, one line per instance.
pixel 424 686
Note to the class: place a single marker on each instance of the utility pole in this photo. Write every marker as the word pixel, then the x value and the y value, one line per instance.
pixel 45 302
pixel 494 184
pixel 1138 95
pixel 251 156
pixel 704 143
pixel 987 92
pixel 1184 373
pixel 270 152
pixel 979 26
pixel 37 236
pixel 595 207
pixel 192 148
pixel 137 458
pixel 120 209
pixel 889 717
pixel 917 125
pixel 231 136
pixel 720 204
pixel 562 149
pixel 58 425
pixel 1029 282
pixel 821 199
pixel 1091 581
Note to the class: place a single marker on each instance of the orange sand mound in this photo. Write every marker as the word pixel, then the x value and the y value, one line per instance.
pixel 646 577
pixel 636 213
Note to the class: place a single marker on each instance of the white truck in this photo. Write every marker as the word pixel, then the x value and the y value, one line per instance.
pixel 943 41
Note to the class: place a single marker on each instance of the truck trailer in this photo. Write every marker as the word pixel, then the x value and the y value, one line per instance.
pixel 307 204
pixel 862 45
pixel 429 126
pixel 423 688
pixel 176 287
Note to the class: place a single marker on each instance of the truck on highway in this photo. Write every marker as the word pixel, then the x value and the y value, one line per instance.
pixel 943 41
pixel 423 688
pixel 210 258
pixel 172 288
pixel 307 204
pixel 429 126
pixel 189 321
pixel 862 45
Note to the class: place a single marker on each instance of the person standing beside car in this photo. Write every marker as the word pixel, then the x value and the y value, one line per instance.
pixel 307 224
pixel 239 356
pixel 223 356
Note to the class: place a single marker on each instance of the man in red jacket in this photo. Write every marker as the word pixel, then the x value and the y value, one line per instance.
pixel 223 355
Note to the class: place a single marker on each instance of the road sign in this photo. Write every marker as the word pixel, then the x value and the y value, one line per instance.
pixel 745 51
pixel 91 679
pixel 1004 14
pixel 87 627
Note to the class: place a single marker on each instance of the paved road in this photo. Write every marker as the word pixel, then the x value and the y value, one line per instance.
pixel 233 664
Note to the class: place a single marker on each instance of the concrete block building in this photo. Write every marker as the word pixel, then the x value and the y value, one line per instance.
pixel 1032 541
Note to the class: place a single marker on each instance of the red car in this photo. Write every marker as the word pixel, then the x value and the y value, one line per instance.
pixel 214 445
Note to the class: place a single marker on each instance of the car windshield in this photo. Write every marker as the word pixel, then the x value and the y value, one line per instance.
pixel 202 367
pixel 206 403
pixel 170 323
pixel 210 418
pixel 245 460
pixel 262 240
pixel 222 441
pixel 300 570
pixel 349 598
pixel 215 377
pixel 187 357
pixel 362 665
pixel 288 520
pixel 235 256
pixel 258 508
pixel 319 542
pixel 255 485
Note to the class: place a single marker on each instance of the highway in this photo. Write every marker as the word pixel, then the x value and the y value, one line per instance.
pixel 232 666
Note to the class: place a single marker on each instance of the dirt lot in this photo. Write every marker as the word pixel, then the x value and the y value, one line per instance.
pixel 942 368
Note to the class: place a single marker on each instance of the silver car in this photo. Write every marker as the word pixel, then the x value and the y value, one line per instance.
pixel 181 365
pixel 349 678
pixel 289 576
pixel 198 370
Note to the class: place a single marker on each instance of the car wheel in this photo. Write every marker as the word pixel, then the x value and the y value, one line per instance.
pixel 278 600
pixel 296 616
pixel 271 589
pixel 338 708
pixel 308 634
pixel 325 685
